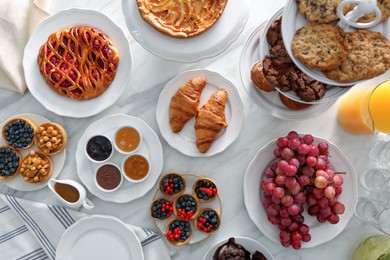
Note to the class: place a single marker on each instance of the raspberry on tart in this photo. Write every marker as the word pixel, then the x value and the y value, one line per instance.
pixel 18 133
pixel 178 232
pixel 208 221
pixel 172 184
pixel 205 190
pixel 10 161
pixel 78 62
pixel 161 209
pixel 186 207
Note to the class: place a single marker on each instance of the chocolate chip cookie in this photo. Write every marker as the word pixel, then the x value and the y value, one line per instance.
pixel 319 11
pixel 320 46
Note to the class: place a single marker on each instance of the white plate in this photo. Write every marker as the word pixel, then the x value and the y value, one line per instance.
pixel 184 141
pixel 18 183
pixel 151 147
pixel 270 101
pixel 216 204
pixel 41 90
pixel 332 92
pixel 320 232
pixel 206 45
pixel 293 20
pixel 99 238
pixel 248 243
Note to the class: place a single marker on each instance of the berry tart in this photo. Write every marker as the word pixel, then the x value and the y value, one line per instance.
pixel 186 207
pixel 179 232
pixel 208 221
pixel 205 189
pixel 18 133
pixel 161 209
pixel 172 184
pixel 36 167
pixel 50 138
pixel 10 161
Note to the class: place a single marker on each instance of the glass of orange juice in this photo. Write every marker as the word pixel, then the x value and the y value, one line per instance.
pixel 366 110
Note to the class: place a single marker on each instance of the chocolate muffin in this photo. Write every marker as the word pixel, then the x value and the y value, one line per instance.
pixel 231 250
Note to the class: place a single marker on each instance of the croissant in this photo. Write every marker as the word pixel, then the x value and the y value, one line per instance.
pixel 185 102
pixel 210 120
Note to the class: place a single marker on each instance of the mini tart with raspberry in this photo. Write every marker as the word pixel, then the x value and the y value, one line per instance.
pixel 50 138
pixel 205 189
pixel 208 221
pixel 178 232
pixel 172 184
pixel 36 167
pixel 186 207
pixel 18 133
pixel 10 161
pixel 161 209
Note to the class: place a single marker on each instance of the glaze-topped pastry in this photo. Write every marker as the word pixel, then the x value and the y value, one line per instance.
pixel 79 62
pixel 181 18
pixel 36 167
pixel 50 138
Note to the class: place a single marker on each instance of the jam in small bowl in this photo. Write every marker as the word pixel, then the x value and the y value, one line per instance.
pixel 99 149
pixel 127 140
pixel 135 167
pixel 108 177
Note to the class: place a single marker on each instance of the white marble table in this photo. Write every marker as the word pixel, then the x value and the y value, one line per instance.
pixel 148 77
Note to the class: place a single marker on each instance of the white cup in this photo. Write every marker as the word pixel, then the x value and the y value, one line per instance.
pixel 82 194
pixel 130 152
pixel 96 181
pixel 124 172
pixel 93 160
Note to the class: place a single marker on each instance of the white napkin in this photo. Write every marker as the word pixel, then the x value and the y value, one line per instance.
pixel 17 19
pixel 32 230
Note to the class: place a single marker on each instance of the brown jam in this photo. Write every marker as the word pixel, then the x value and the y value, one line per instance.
pixel 136 167
pixel 67 192
pixel 108 177
pixel 127 139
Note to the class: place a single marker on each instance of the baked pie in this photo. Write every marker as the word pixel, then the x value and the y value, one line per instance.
pixel 181 18
pixel 79 62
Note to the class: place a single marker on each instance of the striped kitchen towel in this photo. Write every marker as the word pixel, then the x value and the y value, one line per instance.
pixel 32 230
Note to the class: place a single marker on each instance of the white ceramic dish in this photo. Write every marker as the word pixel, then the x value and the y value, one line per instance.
pixel 248 243
pixel 99 238
pixel 151 147
pixel 184 141
pixel 216 204
pixel 270 101
pixel 293 20
pixel 332 92
pixel 206 45
pixel 100 187
pixel 123 168
pixel 41 90
pixel 18 183
pixel 320 232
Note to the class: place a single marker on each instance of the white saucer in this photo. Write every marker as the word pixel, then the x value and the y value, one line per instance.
pixel 99 238
pixel 18 183
pixel 184 141
pixel 151 147
pixel 50 99
pixel 206 45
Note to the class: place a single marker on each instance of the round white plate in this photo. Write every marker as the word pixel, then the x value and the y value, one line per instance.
pixel 18 183
pixel 206 45
pixel 99 238
pixel 293 20
pixel 270 101
pixel 185 140
pixel 320 232
pixel 151 147
pixel 332 92
pixel 41 90
pixel 248 243
pixel 216 204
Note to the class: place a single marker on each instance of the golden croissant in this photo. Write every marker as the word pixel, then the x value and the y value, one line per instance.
pixel 210 120
pixel 185 102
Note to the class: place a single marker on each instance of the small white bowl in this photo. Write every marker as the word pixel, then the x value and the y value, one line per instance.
pixel 100 187
pixel 133 151
pixel 123 168
pixel 93 160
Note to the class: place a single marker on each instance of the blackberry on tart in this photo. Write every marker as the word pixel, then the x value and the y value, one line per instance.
pixel 186 207
pixel 172 184
pixel 10 161
pixel 161 209
pixel 18 133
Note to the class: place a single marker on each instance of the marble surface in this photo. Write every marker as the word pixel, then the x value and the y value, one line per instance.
pixel 147 79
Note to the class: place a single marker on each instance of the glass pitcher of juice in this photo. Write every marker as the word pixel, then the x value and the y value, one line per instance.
pixel 376 247
pixel 366 110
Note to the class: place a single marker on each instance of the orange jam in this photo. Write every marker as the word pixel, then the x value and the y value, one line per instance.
pixel 127 139
pixel 136 167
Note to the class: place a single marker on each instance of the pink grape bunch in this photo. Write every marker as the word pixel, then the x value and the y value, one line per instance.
pixel 300 175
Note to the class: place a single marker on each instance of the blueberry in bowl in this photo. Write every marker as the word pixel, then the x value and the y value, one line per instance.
pixel 172 184
pixel 99 148
pixel 205 190
pixel 10 161
pixel 186 207
pixel 161 209
pixel 208 221
pixel 18 133
pixel 179 232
